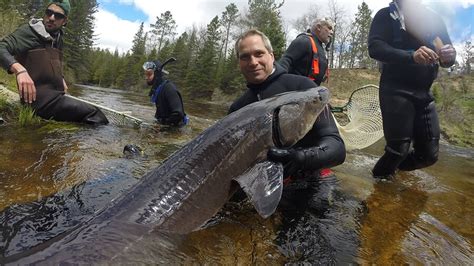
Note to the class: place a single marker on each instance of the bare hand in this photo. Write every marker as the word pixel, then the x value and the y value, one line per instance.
pixel 447 54
pixel 26 87
pixel 425 56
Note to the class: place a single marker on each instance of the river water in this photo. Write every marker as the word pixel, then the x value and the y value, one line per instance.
pixel 55 176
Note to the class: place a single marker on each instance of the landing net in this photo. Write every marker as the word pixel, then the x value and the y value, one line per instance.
pixel 364 126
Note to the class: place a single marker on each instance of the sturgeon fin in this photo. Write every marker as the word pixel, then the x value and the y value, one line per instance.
pixel 263 185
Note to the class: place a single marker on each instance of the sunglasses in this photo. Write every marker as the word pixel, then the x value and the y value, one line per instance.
pixel 57 15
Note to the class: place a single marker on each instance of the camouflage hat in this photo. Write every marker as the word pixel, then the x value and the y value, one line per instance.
pixel 64 4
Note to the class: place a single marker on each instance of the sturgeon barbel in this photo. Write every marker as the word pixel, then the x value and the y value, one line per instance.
pixel 193 184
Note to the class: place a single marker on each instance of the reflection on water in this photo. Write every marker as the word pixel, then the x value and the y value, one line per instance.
pixel 55 177
pixel 421 217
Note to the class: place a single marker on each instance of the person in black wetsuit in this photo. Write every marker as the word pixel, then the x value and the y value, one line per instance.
pixel 411 42
pixel 322 146
pixel 165 95
pixel 34 54
pixel 305 190
pixel 306 55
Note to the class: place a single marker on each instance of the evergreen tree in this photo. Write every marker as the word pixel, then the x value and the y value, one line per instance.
pixel 179 68
pixel 103 67
pixel 164 28
pixel 227 22
pixel 78 38
pixel 138 47
pixel 468 57
pixel 127 78
pixel 166 52
pixel 191 55
pixel 202 77
pixel 232 81
pixel 359 49
pixel 264 15
pixel 136 60
pixel 228 19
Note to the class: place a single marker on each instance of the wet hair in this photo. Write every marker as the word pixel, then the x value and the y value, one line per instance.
pixel 253 32
pixel 323 22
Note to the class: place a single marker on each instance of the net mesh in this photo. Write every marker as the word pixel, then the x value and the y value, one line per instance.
pixel 364 126
pixel 115 117
pixel 120 119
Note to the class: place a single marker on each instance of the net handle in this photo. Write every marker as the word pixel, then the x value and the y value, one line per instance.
pixel 342 109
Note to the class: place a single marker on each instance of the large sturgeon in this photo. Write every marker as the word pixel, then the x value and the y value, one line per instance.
pixel 192 185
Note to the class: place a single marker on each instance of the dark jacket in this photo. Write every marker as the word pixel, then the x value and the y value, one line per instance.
pixel 169 105
pixel 298 58
pixel 27 37
pixel 323 138
pixel 394 48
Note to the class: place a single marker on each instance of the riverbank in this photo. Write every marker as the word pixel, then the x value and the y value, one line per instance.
pixel 454 97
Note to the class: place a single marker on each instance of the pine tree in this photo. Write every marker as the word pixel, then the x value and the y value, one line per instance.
pixel 202 78
pixel 359 49
pixel 264 15
pixel 164 28
pixel 179 68
pixel 232 81
pixel 468 57
pixel 228 19
pixel 138 47
pixel 78 38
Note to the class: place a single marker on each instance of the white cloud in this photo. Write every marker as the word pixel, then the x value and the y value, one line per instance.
pixel 115 32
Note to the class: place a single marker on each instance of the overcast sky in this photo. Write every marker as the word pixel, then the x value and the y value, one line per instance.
pixel 117 21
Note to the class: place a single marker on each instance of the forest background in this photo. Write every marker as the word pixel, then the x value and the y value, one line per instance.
pixel 207 67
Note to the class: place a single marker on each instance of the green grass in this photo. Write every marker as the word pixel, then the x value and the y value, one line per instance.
pixel 7 80
pixel 27 117
pixel 455 100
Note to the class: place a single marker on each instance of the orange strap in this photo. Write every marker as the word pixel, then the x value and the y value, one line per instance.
pixel 315 62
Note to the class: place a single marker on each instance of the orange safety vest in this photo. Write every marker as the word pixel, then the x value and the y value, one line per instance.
pixel 315 63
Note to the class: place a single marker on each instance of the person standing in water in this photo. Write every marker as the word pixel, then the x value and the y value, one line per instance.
pixel 322 146
pixel 411 42
pixel 165 95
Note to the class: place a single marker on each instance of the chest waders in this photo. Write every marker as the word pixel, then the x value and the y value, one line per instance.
pixel 44 66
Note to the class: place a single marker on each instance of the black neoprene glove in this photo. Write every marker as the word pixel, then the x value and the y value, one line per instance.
pixel 293 160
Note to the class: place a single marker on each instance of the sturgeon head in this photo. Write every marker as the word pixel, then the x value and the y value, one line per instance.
pixel 297 113
pixel 294 114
